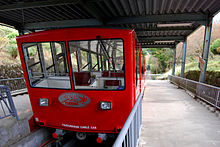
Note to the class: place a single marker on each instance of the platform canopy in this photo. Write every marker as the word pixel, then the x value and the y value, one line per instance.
pixel 158 23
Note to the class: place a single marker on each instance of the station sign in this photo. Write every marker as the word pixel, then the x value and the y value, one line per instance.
pixel 202 62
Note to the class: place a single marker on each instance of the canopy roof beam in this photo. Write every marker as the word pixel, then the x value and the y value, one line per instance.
pixel 184 17
pixel 176 38
pixel 157 46
pixel 165 29
pixel 36 4
pixel 62 24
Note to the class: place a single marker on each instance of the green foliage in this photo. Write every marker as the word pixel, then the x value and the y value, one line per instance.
pixel 212 77
pixel 145 52
pixel 4 31
pixel 215 46
pixel 12 36
pixel 213 66
pixel 12 45
pixel 32 50
pixel 163 59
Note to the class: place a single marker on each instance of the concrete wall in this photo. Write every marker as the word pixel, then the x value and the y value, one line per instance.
pixel 12 71
pixel 34 139
pixel 17 134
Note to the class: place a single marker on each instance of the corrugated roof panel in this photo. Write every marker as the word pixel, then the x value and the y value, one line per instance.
pixel 126 7
pixel 102 11
pixel 80 11
pixel 35 16
pixel 13 16
pixel 118 7
pixel 111 7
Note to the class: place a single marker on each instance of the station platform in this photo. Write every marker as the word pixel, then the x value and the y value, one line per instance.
pixel 15 133
pixel 172 118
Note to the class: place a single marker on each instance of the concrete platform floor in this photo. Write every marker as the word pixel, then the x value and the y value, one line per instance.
pixel 15 133
pixel 172 118
pixel 12 130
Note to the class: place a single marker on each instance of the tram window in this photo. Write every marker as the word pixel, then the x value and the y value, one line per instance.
pixel 48 57
pixel 100 64
pixel 47 65
pixel 58 47
pixel 94 62
pixel 73 58
pixel 142 65
pixel 136 71
pixel 119 60
pixel 60 57
pixel 84 61
pixel 33 61
pixel 136 63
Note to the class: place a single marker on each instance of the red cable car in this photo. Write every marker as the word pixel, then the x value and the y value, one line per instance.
pixel 84 80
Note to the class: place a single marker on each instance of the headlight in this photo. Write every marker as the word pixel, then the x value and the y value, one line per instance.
pixel 44 102
pixel 106 105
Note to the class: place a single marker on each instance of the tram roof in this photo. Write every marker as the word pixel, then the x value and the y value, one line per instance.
pixel 158 23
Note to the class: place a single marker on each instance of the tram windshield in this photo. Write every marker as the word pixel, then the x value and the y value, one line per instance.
pixel 98 64
pixel 47 64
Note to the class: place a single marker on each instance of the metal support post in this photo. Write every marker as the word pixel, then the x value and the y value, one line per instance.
pixel 183 58
pixel 208 31
pixel 174 61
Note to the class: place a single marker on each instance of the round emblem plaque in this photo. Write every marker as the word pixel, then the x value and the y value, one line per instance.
pixel 71 99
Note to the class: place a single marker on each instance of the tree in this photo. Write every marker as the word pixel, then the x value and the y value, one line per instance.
pixel 12 44
pixel 163 59
pixel 215 46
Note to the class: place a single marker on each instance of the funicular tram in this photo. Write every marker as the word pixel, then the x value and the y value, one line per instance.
pixel 84 80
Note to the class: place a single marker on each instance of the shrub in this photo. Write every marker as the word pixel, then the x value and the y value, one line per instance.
pixel 215 46
pixel 13 51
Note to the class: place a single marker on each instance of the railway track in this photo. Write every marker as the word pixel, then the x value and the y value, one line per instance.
pixel 71 141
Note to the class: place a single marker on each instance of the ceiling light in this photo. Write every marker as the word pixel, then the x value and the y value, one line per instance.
pixel 165 41
pixel 175 25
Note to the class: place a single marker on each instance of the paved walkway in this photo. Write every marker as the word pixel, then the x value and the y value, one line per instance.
pixel 172 118
pixel 12 130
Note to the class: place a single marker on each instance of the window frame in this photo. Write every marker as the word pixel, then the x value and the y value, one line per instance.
pixel 39 62
pixel 26 67
pixel 74 85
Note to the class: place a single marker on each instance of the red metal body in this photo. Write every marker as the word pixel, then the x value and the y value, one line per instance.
pixel 90 118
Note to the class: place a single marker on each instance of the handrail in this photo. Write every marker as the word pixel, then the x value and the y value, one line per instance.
pixel 6 103
pixel 11 79
pixel 205 92
pixel 14 83
pixel 132 126
pixel 194 81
